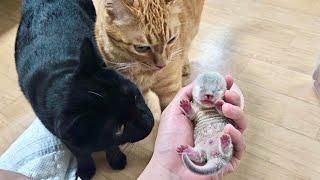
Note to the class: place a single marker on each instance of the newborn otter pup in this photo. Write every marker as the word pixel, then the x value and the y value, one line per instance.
pixel 213 148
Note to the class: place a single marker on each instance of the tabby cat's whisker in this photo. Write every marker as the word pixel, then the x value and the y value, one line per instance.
pixel 121 63
pixel 176 53
pixel 122 66
pixel 180 24
pixel 146 65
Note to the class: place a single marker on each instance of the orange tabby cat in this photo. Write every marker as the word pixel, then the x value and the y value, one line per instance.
pixel 148 42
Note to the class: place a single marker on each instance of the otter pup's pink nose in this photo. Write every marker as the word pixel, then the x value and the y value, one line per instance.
pixel 208 96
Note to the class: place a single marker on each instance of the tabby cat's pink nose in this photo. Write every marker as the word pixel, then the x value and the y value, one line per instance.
pixel 161 66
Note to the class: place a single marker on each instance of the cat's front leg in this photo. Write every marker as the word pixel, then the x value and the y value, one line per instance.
pixel 116 159
pixel 186 70
pixel 86 167
pixel 168 82
pixel 153 103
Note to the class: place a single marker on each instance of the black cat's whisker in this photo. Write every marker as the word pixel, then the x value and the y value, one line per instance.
pixel 124 147
pixel 128 147
pixel 73 121
pixel 95 93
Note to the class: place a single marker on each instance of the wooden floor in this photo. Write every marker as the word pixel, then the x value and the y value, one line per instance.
pixel 269 46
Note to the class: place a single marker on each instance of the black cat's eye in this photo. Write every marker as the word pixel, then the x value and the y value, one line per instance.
pixel 142 49
pixel 120 130
pixel 172 40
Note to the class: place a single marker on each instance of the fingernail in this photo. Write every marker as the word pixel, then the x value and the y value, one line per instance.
pixel 233 110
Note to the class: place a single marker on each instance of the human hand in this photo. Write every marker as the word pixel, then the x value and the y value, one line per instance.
pixel 175 129
pixel 233 109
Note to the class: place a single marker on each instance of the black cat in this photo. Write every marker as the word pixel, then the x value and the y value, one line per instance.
pixel 89 107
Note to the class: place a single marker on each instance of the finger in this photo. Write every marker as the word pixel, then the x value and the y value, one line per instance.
pixel 229 80
pixel 185 92
pixel 232 98
pixel 236 114
pixel 231 166
pixel 237 140
pixel 236 89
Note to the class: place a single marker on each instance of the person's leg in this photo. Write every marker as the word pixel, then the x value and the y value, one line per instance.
pixel 38 154
pixel 11 175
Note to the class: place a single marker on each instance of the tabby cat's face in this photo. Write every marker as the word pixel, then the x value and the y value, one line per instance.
pixel 145 32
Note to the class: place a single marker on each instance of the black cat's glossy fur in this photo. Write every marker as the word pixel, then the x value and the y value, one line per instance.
pixel 78 100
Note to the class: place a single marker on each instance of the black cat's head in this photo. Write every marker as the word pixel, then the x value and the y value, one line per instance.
pixel 104 108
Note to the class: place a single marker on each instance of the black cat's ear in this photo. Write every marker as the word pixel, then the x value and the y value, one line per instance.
pixel 89 59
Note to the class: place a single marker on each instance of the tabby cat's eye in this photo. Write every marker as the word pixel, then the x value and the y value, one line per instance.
pixel 142 49
pixel 172 40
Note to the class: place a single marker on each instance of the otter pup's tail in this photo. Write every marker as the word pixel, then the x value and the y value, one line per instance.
pixel 213 164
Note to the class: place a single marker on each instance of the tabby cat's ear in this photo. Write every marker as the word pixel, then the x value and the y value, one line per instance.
pixel 118 9
pixel 108 4
pixel 170 1
pixel 89 60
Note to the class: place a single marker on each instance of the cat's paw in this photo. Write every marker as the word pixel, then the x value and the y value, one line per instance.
pixel 86 173
pixel 117 162
pixel 185 105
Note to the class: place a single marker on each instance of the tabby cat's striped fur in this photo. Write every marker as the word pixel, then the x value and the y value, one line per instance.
pixel 161 29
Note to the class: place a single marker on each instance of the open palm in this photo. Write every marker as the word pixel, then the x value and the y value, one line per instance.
pixel 176 129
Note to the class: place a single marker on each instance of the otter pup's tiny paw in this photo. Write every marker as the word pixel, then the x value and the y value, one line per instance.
pixel 181 149
pixel 225 141
pixel 185 105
